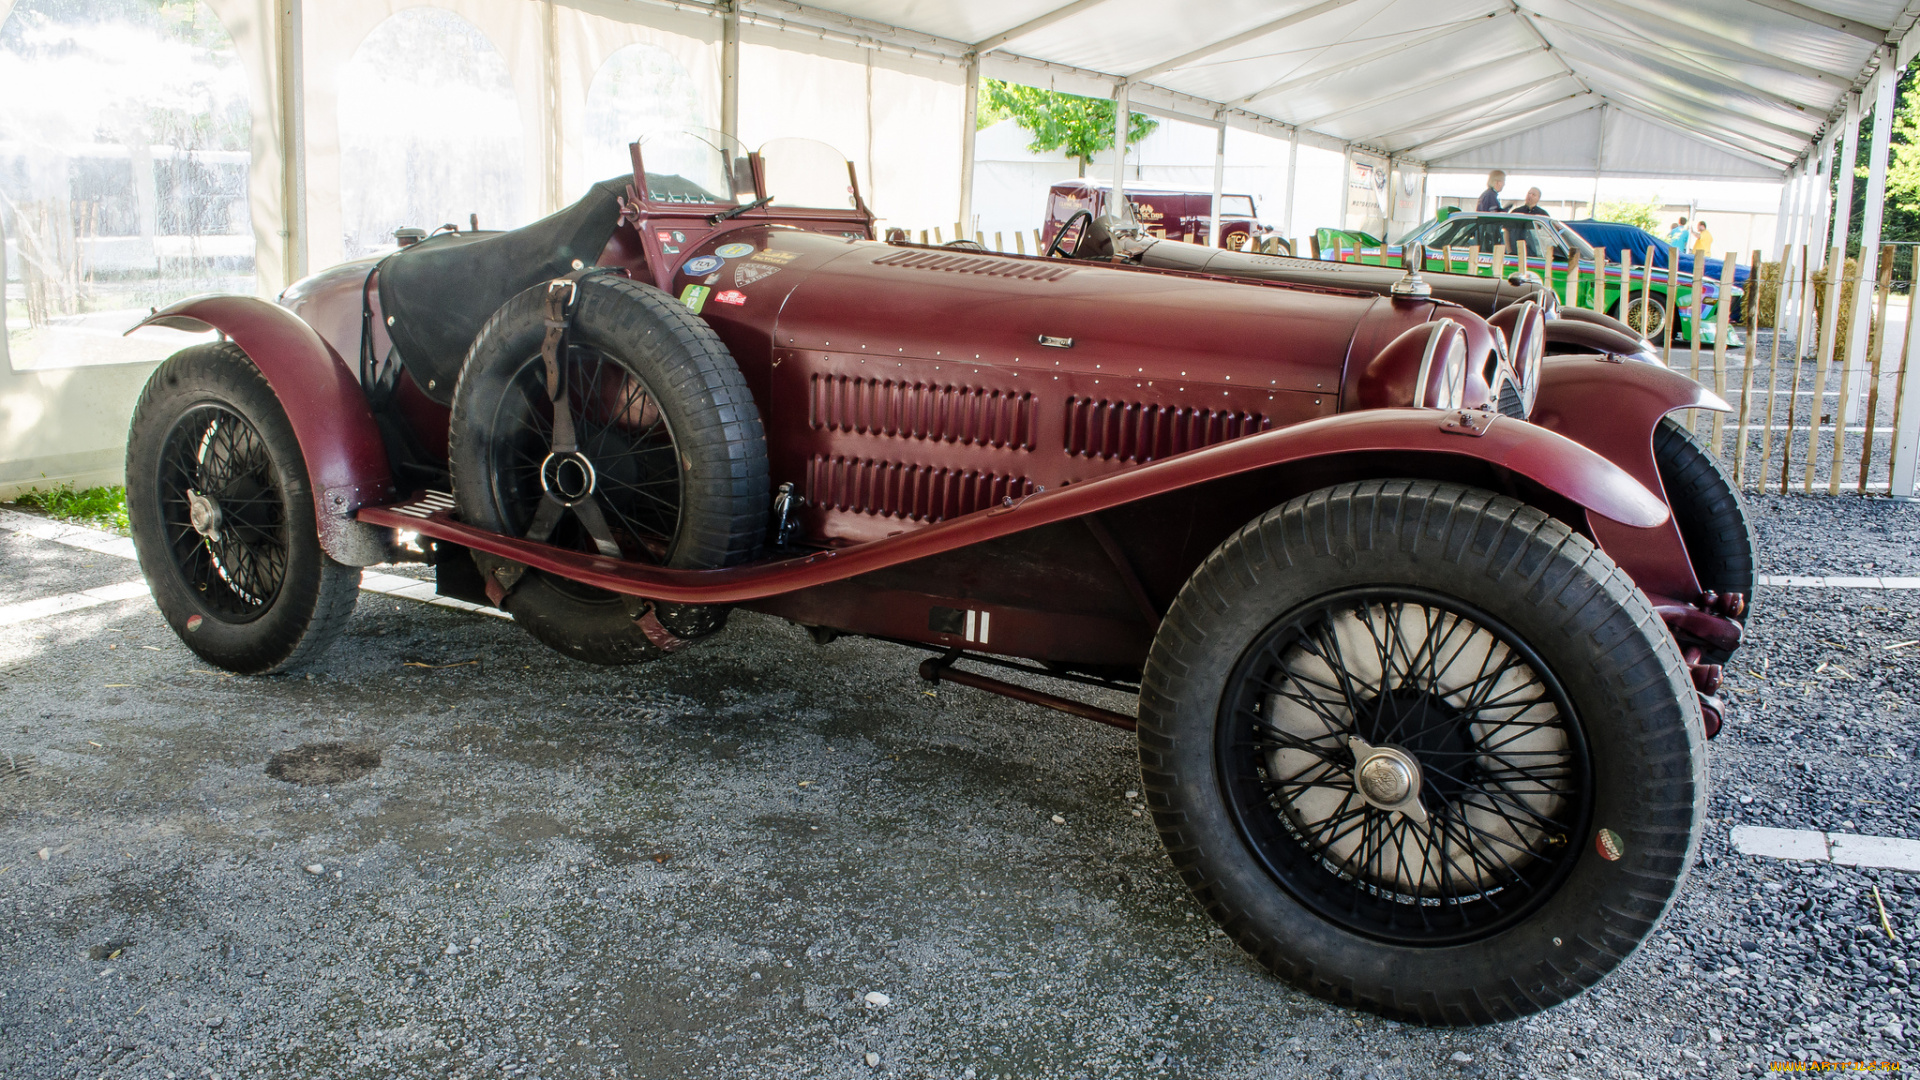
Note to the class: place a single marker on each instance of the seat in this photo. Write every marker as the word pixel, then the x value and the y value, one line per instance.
pixel 441 291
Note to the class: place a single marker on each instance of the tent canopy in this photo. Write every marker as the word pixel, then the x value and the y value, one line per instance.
pixel 1709 88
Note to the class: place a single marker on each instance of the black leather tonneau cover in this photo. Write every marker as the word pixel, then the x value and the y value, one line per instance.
pixel 441 291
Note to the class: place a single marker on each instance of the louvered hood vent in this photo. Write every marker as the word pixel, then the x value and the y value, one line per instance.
pixel 913 410
pixel 1131 431
pixel 914 492
pixel 974 264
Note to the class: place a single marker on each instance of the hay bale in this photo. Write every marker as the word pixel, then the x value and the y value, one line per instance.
pixel 1763 286
pixel 1848 287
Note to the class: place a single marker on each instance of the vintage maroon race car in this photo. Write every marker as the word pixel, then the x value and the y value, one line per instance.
pixel 1419 682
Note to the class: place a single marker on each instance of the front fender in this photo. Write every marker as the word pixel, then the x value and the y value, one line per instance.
pixel 1579 336
pixel 1605 491
pixel 346 461
pixel 1612 408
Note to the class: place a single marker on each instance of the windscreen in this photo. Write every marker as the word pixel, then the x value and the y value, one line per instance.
pixel 806 173
pixel 695 165
pixel 1236 206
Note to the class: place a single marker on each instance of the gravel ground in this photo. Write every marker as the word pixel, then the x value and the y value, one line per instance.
pixel 707 868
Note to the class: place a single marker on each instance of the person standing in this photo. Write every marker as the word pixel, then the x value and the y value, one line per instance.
pixel 1678 235
pixel 1490 198
pixel 1532 204
pixel 1702 240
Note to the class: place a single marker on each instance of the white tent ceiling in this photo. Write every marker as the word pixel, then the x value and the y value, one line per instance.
pixel 1705 88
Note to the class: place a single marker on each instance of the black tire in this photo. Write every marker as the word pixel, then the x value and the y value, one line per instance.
pixel 701 435
pixel 255 594
pixel 1629 764
pixel 1709 510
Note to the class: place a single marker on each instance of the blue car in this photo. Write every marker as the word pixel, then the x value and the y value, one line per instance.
pixel 1616 237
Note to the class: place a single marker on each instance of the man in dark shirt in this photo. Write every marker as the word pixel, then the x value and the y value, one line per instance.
pixel 1490 198
pixel 1532 205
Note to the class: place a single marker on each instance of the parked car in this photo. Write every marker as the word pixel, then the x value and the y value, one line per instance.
pixel 1618 239
pixel 1172 212
pixel 1550 249
pixel 1704 497
pixel 1419 684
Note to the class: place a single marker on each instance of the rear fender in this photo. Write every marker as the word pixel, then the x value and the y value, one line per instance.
pixel 1612 408
pixel 346 462
pixel 1552 463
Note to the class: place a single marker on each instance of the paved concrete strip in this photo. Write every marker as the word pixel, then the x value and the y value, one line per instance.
pixel 122 547
pixel 1816 581
pixel 1844 849
pixel 73 601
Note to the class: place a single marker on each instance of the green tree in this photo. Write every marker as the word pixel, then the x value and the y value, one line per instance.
pixel 1079 126
pixel 1901 216
pixel 1644 214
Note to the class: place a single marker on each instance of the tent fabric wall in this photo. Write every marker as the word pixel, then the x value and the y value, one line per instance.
pixel 70 425
pixel 1632 147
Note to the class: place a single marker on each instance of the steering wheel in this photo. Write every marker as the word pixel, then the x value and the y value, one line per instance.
pixel 1053 248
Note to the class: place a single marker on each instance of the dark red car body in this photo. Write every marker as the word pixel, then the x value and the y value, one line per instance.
pixel 984 489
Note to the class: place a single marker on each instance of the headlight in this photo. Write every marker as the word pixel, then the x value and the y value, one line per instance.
pixel 1443 368
pixel 1524 326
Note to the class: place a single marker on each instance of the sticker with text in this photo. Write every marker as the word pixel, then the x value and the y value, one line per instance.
pixel 695 297
pixel 747 273
pixel 733 251
pixel 779 258
pixel 731 296
pixel 1608 844
pixel 705 264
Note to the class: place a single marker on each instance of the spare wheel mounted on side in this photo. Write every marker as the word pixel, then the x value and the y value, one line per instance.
pixel 1423 750
pixel 667 462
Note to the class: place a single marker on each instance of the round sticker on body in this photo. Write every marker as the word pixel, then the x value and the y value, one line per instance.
pixel 733 251
pixel 705 264
pixel 1608 844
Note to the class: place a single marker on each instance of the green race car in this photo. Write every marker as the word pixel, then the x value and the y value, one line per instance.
pixel 1550 248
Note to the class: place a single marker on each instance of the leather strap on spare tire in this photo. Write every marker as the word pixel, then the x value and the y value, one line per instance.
pixel 596 414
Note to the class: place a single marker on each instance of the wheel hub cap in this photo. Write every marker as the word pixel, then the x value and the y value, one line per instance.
pixel 569 477
pixel 1387 777
pixel 204 514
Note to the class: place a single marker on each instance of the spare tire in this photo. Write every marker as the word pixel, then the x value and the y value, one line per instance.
pixel 671 454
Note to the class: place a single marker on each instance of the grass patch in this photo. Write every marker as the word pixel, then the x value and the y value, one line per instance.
pixel 100 507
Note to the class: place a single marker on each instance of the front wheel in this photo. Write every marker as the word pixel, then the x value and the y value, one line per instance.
pixel 1710 512
pixel 222 517
pixel 1423 750
pixel 1646 315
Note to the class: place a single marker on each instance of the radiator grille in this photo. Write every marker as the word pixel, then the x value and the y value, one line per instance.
pixel 912 410
pixel 975 264
pixel 914 492
pixel 1511 404
pixel 1134 432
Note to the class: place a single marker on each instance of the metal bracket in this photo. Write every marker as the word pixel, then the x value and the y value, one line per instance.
pixel 1468 422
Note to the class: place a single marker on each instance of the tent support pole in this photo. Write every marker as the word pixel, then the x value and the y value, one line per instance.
pixel 1836 270
pixel 1122 118
pixel 1219 182
pixel 969 120
pixel 1599 163
pixel 293 140
pixel 730 69
pixel 1870 222
pixel 1293 171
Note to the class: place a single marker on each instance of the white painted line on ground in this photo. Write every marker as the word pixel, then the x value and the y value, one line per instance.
pixel 73 601
pixel 1841 849
pixel 106 543
pixel 1818 581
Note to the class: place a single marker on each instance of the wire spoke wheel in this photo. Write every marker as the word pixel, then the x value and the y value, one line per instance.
pixel 223 513
pixel 625 441
pixel 1404 765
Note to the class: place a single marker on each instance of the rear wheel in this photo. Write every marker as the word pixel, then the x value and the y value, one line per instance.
pixel 222 517
pixel 670 466
pixel 1422 750
pixel 1644 314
